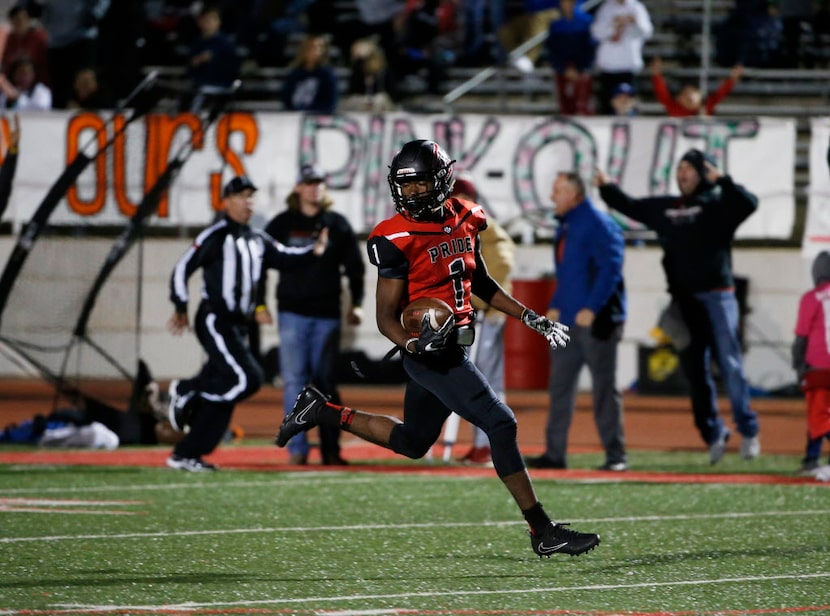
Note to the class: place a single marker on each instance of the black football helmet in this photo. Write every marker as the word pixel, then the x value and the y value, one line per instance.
pixel 418 161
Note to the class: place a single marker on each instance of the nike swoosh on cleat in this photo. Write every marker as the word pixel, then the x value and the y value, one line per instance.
pixel 300 417
pixel 544 549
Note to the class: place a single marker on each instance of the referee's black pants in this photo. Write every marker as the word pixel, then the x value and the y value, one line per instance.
pixel 230 374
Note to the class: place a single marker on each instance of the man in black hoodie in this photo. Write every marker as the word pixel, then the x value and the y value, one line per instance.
pixel 696 231
pixel 309 302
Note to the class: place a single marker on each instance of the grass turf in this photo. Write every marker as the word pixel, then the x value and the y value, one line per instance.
pixel 83 539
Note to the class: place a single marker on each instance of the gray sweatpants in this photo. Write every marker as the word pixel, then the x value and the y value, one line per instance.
pixel 566 363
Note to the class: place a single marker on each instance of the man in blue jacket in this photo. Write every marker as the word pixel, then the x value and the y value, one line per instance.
pixel 696 231
pixel 590 299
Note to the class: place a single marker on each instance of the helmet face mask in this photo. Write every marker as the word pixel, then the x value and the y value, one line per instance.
pixel 421 161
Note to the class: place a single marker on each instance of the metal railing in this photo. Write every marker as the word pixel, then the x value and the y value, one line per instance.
pixel 490 71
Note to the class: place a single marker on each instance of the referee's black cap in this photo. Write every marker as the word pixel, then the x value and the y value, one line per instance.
pixel 237 185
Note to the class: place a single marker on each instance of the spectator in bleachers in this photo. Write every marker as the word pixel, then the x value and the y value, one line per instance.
pixel 24 92
pixel 482 19
pixel 381 19
pixel 88 93
pixel 796 17
pixel 73 41
pixel 820 24
pixel 751 35
pixel 525 19
pixel 621 28
pixel 266 30
pixel 312 84
pixel 120 45
pixel 688 100
pixel 624 100
pixel 27 39
pixel 429 36
pixel 571 50
pixel 367 78
pixel 212 61
pixel 168 26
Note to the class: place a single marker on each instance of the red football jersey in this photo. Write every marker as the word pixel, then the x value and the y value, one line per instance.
pixel 437 259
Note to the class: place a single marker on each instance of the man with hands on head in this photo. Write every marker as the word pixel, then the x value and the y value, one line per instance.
pixel 696 230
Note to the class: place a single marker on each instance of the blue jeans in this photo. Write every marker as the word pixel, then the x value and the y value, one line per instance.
pixel 712 318
pixel 308 351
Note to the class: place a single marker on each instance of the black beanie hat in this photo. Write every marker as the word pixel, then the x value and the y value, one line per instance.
pixel 696 158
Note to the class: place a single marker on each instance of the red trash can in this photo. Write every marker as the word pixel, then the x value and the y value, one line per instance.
pixel 526 353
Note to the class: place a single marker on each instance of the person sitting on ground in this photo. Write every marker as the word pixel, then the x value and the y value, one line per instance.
pixel 688 101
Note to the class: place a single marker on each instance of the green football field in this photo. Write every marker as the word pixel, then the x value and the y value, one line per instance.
pixel 411 540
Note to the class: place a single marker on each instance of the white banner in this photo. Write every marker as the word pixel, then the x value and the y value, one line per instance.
pixel 817 225
pixel 511 159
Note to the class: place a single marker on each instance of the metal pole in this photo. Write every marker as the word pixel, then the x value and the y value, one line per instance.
pixel 705 45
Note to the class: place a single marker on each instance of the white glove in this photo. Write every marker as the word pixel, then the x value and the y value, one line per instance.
pixel 553 331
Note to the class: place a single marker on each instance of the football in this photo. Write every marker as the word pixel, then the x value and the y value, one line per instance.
pixel 412 316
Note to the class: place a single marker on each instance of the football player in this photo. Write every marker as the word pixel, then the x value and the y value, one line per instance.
pixel 430 248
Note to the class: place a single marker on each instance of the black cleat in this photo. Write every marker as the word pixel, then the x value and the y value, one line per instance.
pixel 303 416
pixel 557 539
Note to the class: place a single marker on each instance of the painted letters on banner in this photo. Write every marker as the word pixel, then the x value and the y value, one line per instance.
pixel 512 160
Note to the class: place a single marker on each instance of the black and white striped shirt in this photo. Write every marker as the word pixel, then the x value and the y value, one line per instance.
pixel 233 259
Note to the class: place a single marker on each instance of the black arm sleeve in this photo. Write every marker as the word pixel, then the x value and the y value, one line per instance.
pixel 483 285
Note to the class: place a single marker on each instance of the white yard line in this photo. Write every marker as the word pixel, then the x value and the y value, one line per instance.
pixel 309 478
pixel 167 608
pixel 365 527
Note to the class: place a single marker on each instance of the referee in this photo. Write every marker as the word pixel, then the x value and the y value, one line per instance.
pixel 233 258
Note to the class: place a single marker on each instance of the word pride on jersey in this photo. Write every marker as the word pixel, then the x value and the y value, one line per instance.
pixel 455 246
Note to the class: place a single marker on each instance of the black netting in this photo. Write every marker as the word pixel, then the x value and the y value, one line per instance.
pixel 47 299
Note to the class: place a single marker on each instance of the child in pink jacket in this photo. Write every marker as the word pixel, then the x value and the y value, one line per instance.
pixel 811 359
